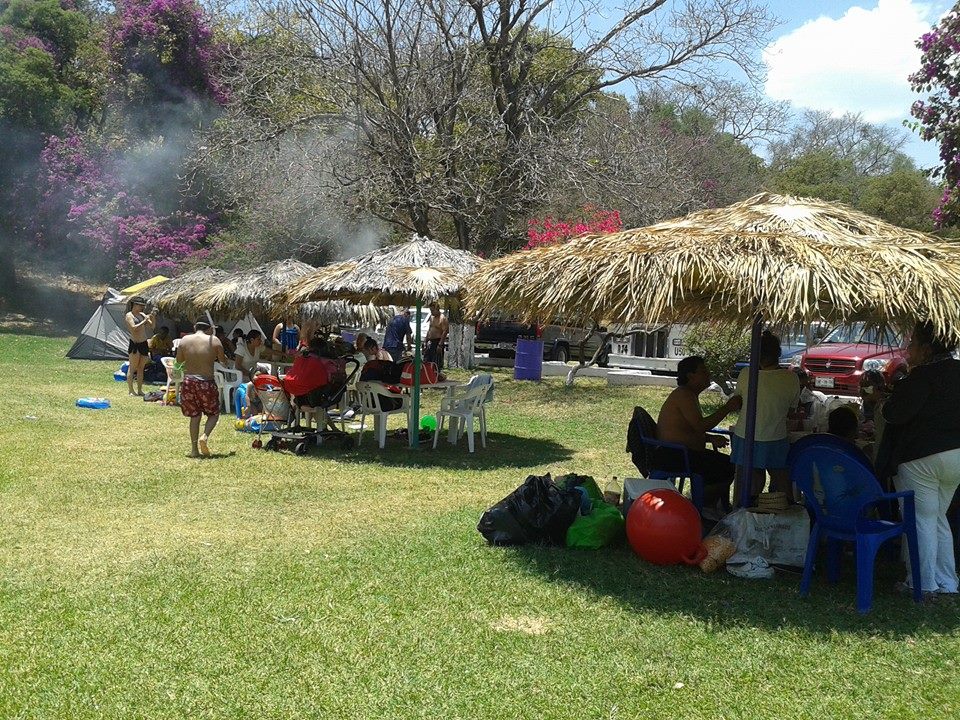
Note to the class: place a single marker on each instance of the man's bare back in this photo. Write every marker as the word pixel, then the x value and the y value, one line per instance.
pixel 676 422
pixel 198 352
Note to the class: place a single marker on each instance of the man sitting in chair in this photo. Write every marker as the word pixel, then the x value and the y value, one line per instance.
pixel 681 421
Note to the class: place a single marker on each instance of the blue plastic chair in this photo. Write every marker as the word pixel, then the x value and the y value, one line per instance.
pixel 643 446
pixel 839 491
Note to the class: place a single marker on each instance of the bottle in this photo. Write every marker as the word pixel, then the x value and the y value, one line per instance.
pixel 612 492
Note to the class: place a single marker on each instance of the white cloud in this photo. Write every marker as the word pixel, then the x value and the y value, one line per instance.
pixel 856 63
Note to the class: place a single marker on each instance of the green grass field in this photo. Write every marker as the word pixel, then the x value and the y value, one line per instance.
pixel 137 583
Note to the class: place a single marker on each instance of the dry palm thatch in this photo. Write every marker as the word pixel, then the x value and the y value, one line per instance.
pixel 254 290
pixel 175 297
pixel 335 312
pixel 791 260
pixel 419 269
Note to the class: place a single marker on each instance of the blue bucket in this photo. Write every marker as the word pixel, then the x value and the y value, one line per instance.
pixel 529 361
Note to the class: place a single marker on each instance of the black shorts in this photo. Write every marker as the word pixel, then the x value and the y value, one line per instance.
pixel 140 348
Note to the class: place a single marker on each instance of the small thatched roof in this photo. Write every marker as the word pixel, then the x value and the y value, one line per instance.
pixel 254 290
pixel 790 259
pixel 419 269
pixel 175 297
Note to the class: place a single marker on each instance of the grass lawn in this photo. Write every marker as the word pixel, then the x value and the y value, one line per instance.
pixel 137 583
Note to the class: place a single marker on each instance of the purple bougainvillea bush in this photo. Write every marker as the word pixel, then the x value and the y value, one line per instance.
pixel 938 117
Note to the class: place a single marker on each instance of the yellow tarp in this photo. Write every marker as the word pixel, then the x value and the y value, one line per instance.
pixel 141 286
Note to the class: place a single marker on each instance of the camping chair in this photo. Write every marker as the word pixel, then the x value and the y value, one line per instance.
pixel 461 406
pixel 369 395
pixel 644 448
pixel 840 491
pixel 173 376
pixel 227 380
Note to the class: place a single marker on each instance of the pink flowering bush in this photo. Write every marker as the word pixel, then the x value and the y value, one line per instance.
pixel 938 117
pixel 81 186
pixel 549 230
pixel 169 43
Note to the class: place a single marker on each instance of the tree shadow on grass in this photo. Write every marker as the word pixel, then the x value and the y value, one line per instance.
pixel 724 600
pixel 502 451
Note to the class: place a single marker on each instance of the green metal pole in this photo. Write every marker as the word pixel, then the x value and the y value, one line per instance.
pixel 414 429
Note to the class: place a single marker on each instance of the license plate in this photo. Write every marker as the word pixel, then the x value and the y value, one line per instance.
pixel 824 382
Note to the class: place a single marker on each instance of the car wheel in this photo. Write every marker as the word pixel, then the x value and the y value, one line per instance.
pixel 561 354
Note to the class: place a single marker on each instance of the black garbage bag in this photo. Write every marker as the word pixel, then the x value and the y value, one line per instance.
pixel 536 512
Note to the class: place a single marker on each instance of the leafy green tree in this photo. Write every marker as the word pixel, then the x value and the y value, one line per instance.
pixel 819 174
pixel 904 197
pixel 721 345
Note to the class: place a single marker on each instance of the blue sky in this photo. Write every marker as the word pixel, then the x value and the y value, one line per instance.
pixel 843 56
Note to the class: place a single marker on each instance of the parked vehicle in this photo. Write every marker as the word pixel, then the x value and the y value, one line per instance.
pixel 837 362
pixel 498 337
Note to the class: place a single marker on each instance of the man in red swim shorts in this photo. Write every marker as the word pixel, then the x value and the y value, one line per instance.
pixel 198 391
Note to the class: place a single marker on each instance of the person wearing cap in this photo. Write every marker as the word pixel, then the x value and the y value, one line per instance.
pixel 138 350
pixel 199 394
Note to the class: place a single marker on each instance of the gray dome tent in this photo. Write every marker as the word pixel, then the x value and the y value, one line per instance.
pixel 104 337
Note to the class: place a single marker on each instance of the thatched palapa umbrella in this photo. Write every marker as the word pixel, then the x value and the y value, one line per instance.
pixel 417 271
pixel 773 257
pixel 175 297
pixel 261 289
pixel 255 289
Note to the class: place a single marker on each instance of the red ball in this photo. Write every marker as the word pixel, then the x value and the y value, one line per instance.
pixel 663 528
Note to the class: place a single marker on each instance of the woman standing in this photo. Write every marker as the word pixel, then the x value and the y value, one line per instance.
pixel 779 393
pixel 924 414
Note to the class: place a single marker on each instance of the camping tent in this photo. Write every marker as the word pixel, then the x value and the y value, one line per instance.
pixel 105 336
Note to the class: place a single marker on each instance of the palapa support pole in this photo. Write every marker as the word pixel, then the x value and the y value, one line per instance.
pixel 414 425
pixel 746 482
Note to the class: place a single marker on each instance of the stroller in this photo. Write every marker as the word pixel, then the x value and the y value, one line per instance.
pixel 291 434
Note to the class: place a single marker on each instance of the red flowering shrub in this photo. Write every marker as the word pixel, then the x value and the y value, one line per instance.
pixel 549 230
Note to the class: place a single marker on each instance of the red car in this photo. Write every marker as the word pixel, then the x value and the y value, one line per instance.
pixel 837 362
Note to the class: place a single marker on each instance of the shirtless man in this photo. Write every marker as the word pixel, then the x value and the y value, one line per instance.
pixel 681 421
pixel 139 326
pixel 436 335
pixel 198 392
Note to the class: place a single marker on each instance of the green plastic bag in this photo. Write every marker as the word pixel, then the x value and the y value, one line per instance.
pixel 603 526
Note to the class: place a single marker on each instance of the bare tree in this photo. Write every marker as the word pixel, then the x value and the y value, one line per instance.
pixel 873 149
pixel 456 102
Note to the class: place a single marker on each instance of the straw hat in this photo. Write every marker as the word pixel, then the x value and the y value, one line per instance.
pixel 771 502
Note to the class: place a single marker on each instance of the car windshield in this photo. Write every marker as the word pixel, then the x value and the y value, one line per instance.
pixel 861 333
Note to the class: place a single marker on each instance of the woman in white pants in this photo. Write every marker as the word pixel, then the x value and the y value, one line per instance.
pixel 923 427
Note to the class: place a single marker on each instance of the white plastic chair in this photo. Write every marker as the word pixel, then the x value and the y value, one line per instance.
pixel 227 380
pixel 173 376
pixel 484 380
pixel 461 407
pixel 369 394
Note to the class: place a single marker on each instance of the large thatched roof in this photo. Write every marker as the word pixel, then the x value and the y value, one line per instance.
pixel 255 289
pixel 397 274
pixel 790 259
pixel 175 297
